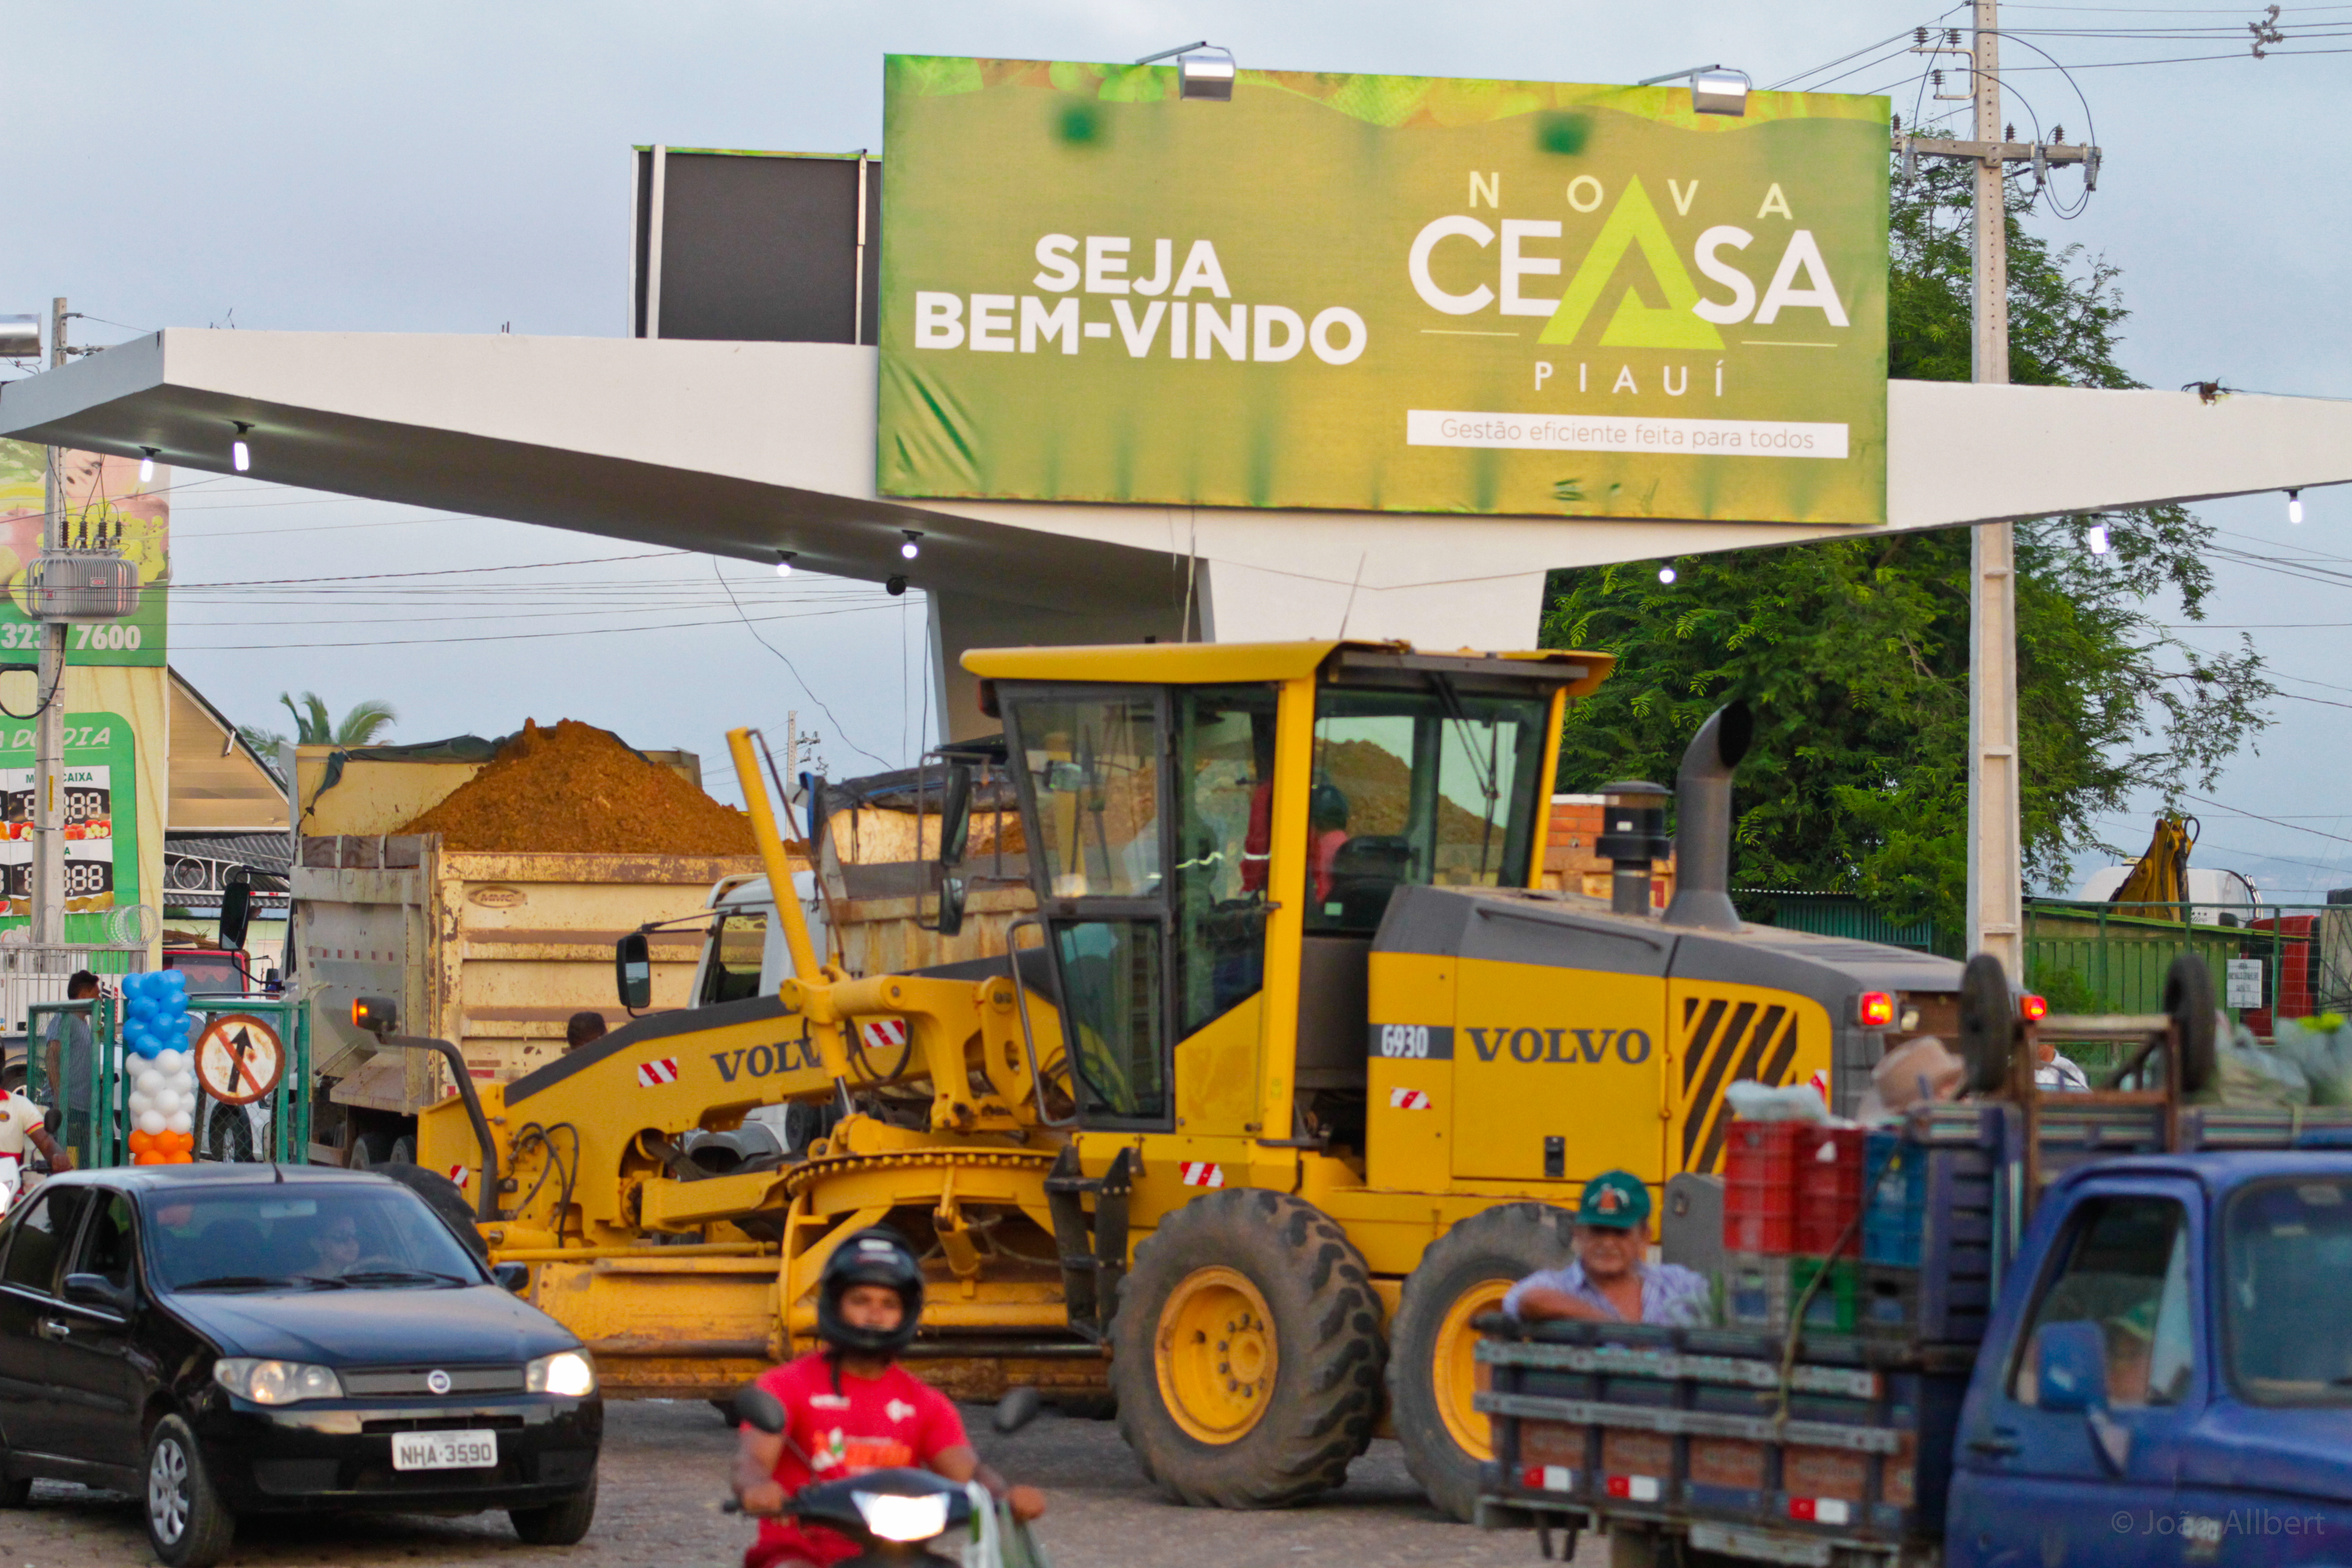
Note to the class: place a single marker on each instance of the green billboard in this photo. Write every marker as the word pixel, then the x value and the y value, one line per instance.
pixel 1381 294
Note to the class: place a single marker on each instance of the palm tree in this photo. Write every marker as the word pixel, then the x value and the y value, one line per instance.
pixel 367 719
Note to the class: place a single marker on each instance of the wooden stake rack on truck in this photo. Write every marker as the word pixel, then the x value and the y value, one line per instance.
pixel 2046 1316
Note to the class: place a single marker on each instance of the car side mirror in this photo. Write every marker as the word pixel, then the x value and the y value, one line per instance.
pixel 96 1290
pixel 2070 1368
pixel 955 814
pixel 633 971
pixel 511 1278
pixel 758 1408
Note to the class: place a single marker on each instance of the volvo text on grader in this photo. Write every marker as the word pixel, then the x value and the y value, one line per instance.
pixel 1284 1085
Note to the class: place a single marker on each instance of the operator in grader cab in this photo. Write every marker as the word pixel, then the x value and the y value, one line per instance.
pixel 851 1408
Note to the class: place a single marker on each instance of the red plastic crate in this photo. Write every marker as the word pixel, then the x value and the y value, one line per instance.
pixel 1760 1185
pixel 1828 1191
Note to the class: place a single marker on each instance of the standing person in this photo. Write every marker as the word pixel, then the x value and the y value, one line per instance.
pixel 583 1028
pixel 68 1064
pixel 1611 1280
pixel 850 1408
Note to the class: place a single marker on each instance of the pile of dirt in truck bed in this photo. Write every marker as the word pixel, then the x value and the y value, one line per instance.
pixel 577 790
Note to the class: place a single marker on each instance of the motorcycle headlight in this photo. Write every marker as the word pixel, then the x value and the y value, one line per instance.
pixel 895 1518
pixel 567 1372
pixel 276 1382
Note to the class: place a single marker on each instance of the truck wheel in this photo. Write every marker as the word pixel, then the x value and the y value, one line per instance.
pixel 1246 1353
pixel 368 1150
pixel 403 1149
pixel 1433 1369
pixel 229 1133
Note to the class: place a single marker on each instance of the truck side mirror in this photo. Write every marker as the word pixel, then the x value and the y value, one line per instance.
pixel 236 908
pixel 2070 1367
pixel 633 971
pixel 955 814
pixel 951 921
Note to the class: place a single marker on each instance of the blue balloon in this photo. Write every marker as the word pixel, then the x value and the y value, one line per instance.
pixel 175 981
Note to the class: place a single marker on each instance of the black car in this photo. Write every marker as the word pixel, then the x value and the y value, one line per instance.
pixel 221 1340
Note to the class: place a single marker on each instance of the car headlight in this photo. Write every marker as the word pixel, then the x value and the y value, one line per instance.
pixel 895 1518
pixel 276 1382
pixel 568 1373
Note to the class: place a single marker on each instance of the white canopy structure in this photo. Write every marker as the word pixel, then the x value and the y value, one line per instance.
pixel 749 448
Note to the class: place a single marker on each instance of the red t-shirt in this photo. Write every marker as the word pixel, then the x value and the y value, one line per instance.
pixel 873 1423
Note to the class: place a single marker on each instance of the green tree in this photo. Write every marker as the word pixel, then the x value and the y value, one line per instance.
pixel 1854 652
pixel 366 721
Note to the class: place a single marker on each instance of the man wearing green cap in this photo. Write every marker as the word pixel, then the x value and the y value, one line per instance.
pixel 1611 1279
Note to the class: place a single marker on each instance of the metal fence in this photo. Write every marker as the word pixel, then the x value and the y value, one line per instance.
pixel 34 973
pixel 2275 961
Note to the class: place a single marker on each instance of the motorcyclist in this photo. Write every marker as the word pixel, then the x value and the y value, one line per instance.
pixel 851 1408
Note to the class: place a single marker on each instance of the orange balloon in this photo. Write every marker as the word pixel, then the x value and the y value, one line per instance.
pixel 142 1158
pixel 141 1143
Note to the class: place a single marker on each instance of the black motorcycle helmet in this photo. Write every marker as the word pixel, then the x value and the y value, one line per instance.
pixel 875 1256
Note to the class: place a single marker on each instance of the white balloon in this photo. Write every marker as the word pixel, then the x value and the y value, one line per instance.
pixel 151 1122
pixel 165 1102
pixel 141 1101
pixel 184 1081
pixel 180 1122
pixel 171 1061
pixel 150 1080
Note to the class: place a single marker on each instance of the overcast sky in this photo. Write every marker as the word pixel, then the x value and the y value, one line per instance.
pixel 450 167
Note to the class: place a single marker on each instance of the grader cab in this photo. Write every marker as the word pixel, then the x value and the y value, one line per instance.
pixel 1281 1085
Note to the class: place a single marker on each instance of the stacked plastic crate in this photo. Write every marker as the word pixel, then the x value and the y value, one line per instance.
pixel 1927 1254
pixel 1792 1227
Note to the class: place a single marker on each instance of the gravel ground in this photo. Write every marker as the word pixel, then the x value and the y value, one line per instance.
pixel 664 1473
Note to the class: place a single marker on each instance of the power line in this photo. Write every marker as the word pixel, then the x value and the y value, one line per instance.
pixel 840 732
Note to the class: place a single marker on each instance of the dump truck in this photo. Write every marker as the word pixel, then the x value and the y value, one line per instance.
pixel 493 951
pixel 2101 1327
pixel 1272 1094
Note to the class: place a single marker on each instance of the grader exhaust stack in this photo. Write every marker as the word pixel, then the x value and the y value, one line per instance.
pixel 1702 821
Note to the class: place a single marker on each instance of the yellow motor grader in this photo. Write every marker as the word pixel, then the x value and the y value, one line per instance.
pixel 1285 1080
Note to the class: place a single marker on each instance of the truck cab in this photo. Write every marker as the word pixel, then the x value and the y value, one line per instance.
pixel 744 954
pixel 2168 1378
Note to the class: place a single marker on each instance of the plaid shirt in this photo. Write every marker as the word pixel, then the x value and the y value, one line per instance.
pixel 1671 1293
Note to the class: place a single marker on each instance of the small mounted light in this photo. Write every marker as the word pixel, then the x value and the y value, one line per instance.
pixel 377 1016
pixel 784 561
pixel 1665 573
pixel 1875 1010
pixel 914 546
pixel 2097 539
pixel 1209 77
pixel 241 456
pixel 2295 506
pixel 2032 1008
pixel 896 586
pixel 1714 90
pixel 146 465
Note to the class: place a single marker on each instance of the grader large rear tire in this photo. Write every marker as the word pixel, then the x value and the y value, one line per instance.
pixel 1433 1371
pixel 1247 1352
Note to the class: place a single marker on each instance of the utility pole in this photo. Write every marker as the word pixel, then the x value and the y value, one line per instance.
pixel 49 727
pixel 1996 890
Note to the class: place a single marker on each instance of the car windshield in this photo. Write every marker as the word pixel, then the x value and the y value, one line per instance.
pixel 308 1236
pixel 2288 1251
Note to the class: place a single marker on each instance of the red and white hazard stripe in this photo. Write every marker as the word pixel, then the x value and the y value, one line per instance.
pixel 1408 1099
pixel 1821 1082
pixel 654 1074
pixel 1549 1478
pixel 883 1033
pixel 1200 1173
pixel 458 1174
pixel 1633 1488
pixel 1821 1510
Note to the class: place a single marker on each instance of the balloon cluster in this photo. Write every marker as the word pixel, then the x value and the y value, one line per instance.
pixel 158 1033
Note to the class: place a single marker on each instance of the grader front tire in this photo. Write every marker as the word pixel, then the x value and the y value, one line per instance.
pixel 1247 1352
pixel 1433 1372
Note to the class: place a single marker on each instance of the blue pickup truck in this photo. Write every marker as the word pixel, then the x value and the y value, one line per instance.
pixel 2127 1341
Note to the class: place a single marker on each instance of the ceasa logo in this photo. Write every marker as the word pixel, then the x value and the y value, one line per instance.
pixel 1684 318
pixel 1566 1048
pixel 1177 327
